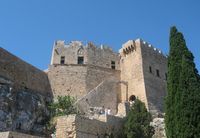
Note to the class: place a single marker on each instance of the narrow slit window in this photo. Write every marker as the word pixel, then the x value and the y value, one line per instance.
pixel 165 76
pixel 150 69
pixel 80 60
pixel 157 73
pixel 113 64
pixel 62 60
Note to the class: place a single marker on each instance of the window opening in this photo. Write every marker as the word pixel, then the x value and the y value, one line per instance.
pixel 80 60
pixel 62 60
pixel 113 64
pixel 150 69
pixel 157 73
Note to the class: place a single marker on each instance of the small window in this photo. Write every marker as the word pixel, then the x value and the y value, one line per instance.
pixel 62 60
pixel 80 60
pixel 113 64
pixel 150 69
pixel 165 76
pixel 157 73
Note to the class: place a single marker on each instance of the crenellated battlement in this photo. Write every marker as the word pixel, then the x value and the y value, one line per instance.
pixel 88 45
pixel 152 49
pixel 77 52
pixel 131 46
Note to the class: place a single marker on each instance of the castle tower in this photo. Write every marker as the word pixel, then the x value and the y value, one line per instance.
pixel 144 68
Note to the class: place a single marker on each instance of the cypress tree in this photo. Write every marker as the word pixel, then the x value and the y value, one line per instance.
pixel 177 46
pixel 182 103
pixel 188 120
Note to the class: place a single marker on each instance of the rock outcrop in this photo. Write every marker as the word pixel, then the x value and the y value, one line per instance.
pixel 22 110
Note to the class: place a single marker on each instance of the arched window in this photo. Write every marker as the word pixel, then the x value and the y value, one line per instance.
pixel 80 52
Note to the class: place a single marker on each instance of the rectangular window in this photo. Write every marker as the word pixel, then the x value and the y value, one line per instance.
pixel 165 76
pixel 157 73
pixel 80 60
pixel 62 60
pixel 150 69
pixel 112 64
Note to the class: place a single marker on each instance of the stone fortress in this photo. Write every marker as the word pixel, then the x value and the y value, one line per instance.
pixel 97 77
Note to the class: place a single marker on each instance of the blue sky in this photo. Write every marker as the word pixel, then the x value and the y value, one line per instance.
pixel 28 28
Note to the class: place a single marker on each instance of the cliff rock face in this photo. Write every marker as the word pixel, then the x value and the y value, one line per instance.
pixel 22 110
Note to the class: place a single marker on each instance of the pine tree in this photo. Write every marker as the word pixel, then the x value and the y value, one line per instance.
pixel 138 121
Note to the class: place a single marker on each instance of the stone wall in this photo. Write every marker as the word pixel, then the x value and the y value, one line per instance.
pixel 155 80
pixel 23 75
pixel 96 75
pixel 104 95
pixel 74 126
pixel 10 134
pixel 98 56
pixel 68 80
pixel 24 94
pixel 77 80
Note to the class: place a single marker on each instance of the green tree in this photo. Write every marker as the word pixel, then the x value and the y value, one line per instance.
pixel 138 121
pixel 188 119
pixel 177 47
pixel 63 106
pixel 182 104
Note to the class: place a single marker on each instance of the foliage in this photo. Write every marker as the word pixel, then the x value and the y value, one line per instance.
pixel 138 121
pixel 63 106
pixel 182 104
pixel 177 46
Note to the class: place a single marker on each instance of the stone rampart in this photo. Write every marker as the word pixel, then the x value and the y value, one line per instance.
pixel 75 126
pixel 22 74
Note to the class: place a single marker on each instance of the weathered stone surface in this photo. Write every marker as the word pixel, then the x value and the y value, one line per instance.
pixel 75 126
pixel 78 80
pixel 10 134
pixel 98 56
pixel 22 74
pixel 104 95
pixel 137 57
pixel 23 110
